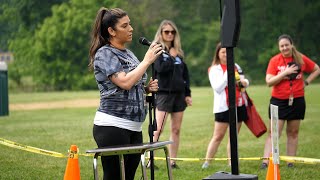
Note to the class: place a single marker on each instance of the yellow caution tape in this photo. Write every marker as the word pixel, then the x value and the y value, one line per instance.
pixel 60 155
pixel 73 154
pixel 30 148
pixel 87 154
pixel 300 160
pixel 211 159
pixel 284 158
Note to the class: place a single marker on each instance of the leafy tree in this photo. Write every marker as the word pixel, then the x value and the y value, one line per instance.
pixel 18 21
pixel 59 54
pixel 50 39
pixel 264 21
pixel 27 14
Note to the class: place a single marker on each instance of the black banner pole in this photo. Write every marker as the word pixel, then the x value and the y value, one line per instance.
pixel 230 31
pixel 232 113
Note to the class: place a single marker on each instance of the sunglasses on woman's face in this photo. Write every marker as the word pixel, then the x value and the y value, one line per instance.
pixel 168 32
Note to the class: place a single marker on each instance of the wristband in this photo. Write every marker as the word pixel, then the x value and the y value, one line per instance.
pixel 306 83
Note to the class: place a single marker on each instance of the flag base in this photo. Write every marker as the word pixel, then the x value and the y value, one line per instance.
pixel 226 175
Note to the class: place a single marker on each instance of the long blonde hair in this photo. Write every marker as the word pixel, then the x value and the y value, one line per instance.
pixel 297 56
pixel 176 42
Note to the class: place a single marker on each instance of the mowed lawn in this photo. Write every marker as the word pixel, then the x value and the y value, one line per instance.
pixel 56 129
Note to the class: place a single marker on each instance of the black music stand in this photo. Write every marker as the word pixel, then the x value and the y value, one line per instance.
pixel 152 122
pixel 131 149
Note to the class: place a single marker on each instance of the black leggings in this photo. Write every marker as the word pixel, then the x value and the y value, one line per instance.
pixel 109 136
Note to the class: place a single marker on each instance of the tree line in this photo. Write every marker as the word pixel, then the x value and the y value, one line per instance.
pixel 50 38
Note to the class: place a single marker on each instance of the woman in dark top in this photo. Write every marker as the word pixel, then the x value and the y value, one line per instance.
pixel 174 93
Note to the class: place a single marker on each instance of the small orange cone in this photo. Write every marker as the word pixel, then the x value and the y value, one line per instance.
pixel 273 171
pixel 73 168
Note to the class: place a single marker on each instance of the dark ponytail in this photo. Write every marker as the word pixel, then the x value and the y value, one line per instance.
pixel 99 35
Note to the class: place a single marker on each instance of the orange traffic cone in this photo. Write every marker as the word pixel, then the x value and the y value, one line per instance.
pixel 273 171
pixel 72 169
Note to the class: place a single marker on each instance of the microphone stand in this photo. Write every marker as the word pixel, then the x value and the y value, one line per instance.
pixel 152 123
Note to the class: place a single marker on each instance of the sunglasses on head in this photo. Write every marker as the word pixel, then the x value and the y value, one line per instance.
pixel 172 32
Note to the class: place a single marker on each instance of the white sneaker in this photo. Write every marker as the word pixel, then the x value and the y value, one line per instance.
pixel 205 165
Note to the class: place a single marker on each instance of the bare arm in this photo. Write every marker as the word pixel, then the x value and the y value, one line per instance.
pixel 152 86
pixel 127 80
pixel 188 100
pixel 272 80
pixel 314 74
pixel 244 82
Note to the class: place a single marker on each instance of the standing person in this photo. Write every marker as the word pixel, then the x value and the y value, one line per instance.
pixel 285 75
pixel 121 79
pixel 218 77
pixel 174 93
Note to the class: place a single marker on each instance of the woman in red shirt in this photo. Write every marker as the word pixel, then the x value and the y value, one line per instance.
pixel 285 75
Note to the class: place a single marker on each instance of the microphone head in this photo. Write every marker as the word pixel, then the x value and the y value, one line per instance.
pixel 144 41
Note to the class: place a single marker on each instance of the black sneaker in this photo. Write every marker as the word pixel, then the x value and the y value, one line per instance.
pixel 264 166
pixel 174 166
pixel 290 165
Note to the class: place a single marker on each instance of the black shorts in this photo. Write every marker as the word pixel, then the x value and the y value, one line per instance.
pixel 224 116
pixel 286 112
pixel 174 102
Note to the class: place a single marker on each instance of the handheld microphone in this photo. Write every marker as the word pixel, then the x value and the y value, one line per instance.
pixel 146 42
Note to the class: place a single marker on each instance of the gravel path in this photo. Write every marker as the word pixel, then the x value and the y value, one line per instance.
pixel 79 103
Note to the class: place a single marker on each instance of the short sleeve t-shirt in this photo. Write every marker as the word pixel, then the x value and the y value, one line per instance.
pixel 282 90
pixel 126 104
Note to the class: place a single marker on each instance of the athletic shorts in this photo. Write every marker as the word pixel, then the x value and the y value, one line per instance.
pixel 286 112
pixel 224 116
pixel 174 102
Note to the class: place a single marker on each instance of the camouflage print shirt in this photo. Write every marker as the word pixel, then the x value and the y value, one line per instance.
pixel 126 104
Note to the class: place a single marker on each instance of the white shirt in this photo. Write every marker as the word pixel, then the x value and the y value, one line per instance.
pixel 219 81
pixel 103 119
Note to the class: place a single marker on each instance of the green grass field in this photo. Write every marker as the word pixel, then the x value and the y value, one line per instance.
pixel 57 129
